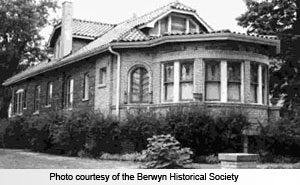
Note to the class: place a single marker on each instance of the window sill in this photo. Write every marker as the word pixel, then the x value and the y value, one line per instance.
pixel 47 106
pixel 85 99
pixel 101 86
pixel 36 113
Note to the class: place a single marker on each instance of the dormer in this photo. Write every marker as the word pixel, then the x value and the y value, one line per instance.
pixel 176 22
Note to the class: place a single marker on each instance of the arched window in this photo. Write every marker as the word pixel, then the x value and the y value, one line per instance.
pixel 139 87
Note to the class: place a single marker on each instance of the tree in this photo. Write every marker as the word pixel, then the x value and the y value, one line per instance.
pixel 20 39
pixel 280 18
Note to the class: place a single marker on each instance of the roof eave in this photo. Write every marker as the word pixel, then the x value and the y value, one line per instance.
pixel 155 42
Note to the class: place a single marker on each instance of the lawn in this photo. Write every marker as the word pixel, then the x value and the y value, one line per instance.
pixel 20 159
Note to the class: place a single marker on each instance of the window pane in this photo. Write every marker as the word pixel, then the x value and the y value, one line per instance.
pixel 186 90
pixel 212 71
pixel 164 25
pixel 186 71
pixel 253 93
pixel 169 73
pixel 102 75
pixel 193 27
pixel 169 92
pixel 178 24
pixel 254 73
pixel 139 85
pixel 234 92
pixel 212 91
pixel 234 71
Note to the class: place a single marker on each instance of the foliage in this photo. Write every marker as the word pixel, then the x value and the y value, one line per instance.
pixel 194 127
pixel 163 151
pixel 141 125
pixel 280 18
pixel 20 39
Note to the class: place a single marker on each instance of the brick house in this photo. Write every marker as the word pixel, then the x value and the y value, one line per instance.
pixel 167 57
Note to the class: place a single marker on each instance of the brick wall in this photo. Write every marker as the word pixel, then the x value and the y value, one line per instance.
pixel 152 59
pixel 77 72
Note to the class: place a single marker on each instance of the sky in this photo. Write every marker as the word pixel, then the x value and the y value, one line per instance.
pixel 219 14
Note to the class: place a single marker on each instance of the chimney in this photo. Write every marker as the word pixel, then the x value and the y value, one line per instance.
pixel 66 28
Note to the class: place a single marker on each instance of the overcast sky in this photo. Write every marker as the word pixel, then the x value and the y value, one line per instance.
pixel 219 14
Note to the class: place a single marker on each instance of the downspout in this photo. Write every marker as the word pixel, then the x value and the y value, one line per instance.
pixel 118 80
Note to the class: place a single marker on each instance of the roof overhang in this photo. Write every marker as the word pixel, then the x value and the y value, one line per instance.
pixel 146 44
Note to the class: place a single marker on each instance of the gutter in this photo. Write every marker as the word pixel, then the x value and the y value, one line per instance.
pixel 118 80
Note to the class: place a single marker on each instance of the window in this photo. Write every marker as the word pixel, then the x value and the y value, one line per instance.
pixel 169 81
pixel 192 27
pixel 234 81
pixel 49 94
pixel 164 25
pixel 85 90
pixel 37 96
pixel 139 88
pixel 264 87
pixel 178 24
pixel 186 80
pixel 18 102
pixel 102 76
pixel 69 92
pixel 212 81
pixel 253 82
pixel 25 99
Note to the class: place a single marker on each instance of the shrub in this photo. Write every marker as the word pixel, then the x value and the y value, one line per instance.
pixel 141 125
pixel 282 138
pixel 163 151
pixel 103 135
pixel 195 128
pixel 16 134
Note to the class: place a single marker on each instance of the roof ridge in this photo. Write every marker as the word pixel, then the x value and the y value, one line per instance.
pixel 94 22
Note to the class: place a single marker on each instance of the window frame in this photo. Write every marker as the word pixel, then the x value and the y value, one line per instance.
pixel 37 99
pixel 255 84
pixel 86 87
pixel 234 81
pixel 102 76
pixel 206 81
pixel 69 93
pixel 191 81
pixel 141 93
pixel 49 94
pixel 166 82
pixel 18 106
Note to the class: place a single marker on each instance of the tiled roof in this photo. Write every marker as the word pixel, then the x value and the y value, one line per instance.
pixel 90 28
pixel 126 31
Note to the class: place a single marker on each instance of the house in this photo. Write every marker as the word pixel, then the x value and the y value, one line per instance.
pixel 169 56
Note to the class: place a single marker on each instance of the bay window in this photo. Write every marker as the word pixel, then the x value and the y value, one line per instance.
pixel 253 83
pixel 186 80
pixel 169 81
pixel 234 81
pixel 212 81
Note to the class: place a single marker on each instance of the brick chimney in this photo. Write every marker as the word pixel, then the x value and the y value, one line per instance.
pixel 66 28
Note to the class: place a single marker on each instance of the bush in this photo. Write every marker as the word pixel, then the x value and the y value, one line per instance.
pixel 142 125
pixel 282 138
pixel 195 128
pixel 163 151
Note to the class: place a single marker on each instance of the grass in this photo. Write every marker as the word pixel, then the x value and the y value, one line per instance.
pixel 20 159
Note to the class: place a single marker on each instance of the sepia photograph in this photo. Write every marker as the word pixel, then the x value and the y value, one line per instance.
pixel 160 84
